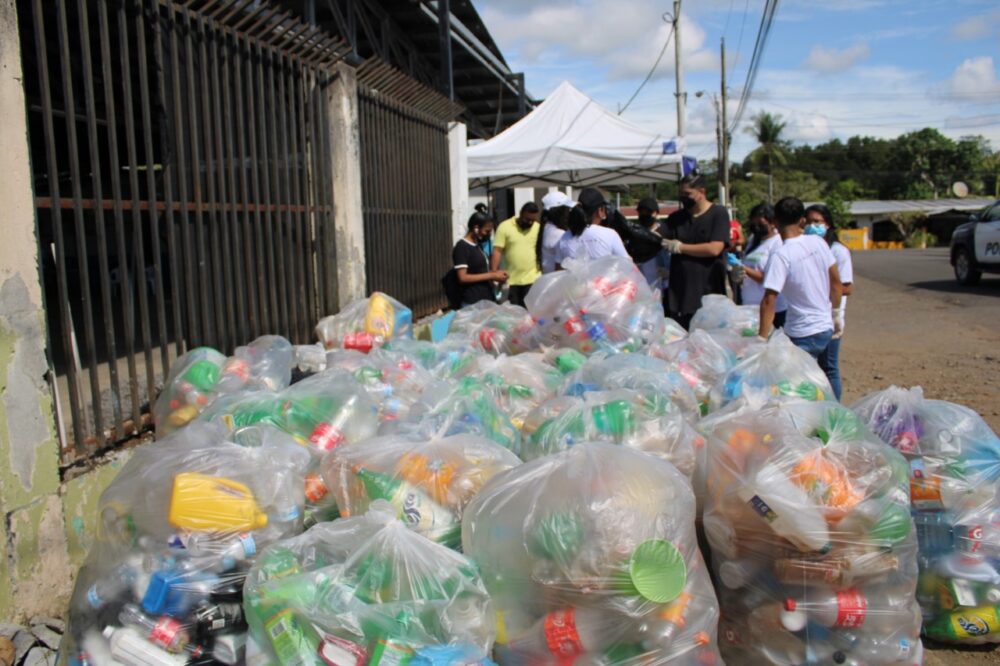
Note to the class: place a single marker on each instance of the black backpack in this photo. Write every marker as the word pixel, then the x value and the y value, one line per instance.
pixel 452 289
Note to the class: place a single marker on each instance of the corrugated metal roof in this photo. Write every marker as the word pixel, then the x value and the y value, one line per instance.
pixel 926 206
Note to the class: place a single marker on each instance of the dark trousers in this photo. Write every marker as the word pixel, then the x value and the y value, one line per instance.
pixel 683 319
pixel 517 292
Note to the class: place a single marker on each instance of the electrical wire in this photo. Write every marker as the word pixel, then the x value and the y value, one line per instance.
pixel 652 69
pixel 766 21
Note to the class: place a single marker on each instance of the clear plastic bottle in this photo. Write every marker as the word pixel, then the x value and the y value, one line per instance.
pixel 237 547
pixel 568 633
pixel 850 608
pixel 787 508
pixel 113 585
pixel 128 647
pixel 165 632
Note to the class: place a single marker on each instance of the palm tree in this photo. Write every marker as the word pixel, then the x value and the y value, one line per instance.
pixel 766 128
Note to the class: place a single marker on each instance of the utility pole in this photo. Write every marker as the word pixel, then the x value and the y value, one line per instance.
pixel 724 136
pixel 678 70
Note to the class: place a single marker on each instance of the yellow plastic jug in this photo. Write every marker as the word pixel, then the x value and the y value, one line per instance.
pixel 380 319
pixel 209 503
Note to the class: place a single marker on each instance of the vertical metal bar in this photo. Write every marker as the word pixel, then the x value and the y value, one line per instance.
pixel 302 174
pixel 229 195
pixel 318 190
pixel 99 224
pixel 216 257
pixel 261 217
pixel 168 165
pixel 128 311
pixel 246 226
pixel 62 283
pixel 138 232
pixel 281 290
pixel 262 126
pixel 189 294
pixel 202 291
pixel 444 47
pixel 297 153
pixel 290 235
pixel 80 224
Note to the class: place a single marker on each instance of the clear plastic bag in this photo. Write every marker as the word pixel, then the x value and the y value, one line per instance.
pixel 646 422
pixel 718 312
pixel 954 467
pixel 427 481
pixel 518 383
pixel 443 359
pixel 366 324
pixel 779 367
pixel 178 529
pixel 590 555
pixel 701 361
pixel 506 329
pixel 813 547
pixel 393 379
pixel 602 305
pixel 263 365
pixel 366 590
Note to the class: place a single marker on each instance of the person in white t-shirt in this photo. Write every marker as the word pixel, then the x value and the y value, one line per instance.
pixel 819 222
pixel 557 206
pixel 804 271
pixel 586 238
pixel 764 241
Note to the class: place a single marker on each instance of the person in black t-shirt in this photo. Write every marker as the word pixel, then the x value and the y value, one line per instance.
pixel 695 236
pixel 472 267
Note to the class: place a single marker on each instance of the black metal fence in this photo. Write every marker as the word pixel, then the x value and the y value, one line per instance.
pixel 406 186
pixel 182 189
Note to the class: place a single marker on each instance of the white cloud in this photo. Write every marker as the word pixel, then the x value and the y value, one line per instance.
pixel 975 80
pixel 836 60
pixel 976 27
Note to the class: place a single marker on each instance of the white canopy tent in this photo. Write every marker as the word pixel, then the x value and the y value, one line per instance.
pixel 571 140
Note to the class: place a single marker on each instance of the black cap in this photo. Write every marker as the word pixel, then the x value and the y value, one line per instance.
pixel 650 204
pixel 591 198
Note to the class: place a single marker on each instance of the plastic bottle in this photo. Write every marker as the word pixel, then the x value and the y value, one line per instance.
pixel 230 649
pixel 615 418
pixel 787 508
pixel 415 507
pixel 735 574
pixel 216 618
pixel 294 640
pixel 166 632
pixel 849 608
pixel 568 633
pixel 658 632
pixel 128 647
pixel 982 622
pixel 968 567
pixel 845 567
pixel 112 586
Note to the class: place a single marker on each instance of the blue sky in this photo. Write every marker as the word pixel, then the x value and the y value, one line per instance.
pixel 832 68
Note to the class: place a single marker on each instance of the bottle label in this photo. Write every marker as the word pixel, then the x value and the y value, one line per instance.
pixel 852 608
pixel 336 651
pixel 390 653
pixel 285 635
pixel 762 509
pixel 561 634
pixel 94 597
pixel 925 489
pixel 973 622
pixel 164 632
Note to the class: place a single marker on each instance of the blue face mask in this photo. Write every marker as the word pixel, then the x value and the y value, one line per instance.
pixel 816 229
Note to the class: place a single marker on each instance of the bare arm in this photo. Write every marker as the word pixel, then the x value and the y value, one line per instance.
pixel 709 249
pixel 848 288
pixel 465 277
pixel 495 258
pixel 767 313
pixel 754 274
pixel 836 288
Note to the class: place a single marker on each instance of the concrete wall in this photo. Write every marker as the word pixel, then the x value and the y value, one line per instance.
pixel 461 207
pixel 47 524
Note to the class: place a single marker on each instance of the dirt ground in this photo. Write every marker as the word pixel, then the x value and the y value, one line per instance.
pixel 942 338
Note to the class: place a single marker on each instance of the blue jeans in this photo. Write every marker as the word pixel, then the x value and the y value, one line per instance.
pixel 829 360
pixel 814 345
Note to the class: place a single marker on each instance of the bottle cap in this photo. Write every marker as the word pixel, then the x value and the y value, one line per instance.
pixel 793 620
pixel 789 604
pixel 657 570
pixel 108 631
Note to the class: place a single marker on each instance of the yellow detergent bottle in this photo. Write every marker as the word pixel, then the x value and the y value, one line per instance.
pixel 209 503
pixel 381 316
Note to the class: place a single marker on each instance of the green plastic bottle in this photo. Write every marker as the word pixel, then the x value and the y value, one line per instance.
pixel 964 623
pixel 388 643
pixel 294 640
pixel 415 507
pixel 569 361
pixel 558 536
pixel 839 422
pixel 615 418
pixel 202 375
pixel 278 562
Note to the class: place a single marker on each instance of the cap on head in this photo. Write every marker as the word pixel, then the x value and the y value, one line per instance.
pixel 591 198
pixel 650 204
pixel 556 199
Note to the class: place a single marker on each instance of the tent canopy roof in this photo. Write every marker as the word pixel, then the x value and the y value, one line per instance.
pixel 572 140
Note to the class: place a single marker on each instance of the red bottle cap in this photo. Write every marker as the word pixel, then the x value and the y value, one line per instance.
pixel 789 604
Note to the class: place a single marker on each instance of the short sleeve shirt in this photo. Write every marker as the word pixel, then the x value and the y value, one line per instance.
pixel 550 240
pixel 694 277
pixel 472 258
pixel 800 271
pixel 753 291
pixel 519 248
pixel 595 242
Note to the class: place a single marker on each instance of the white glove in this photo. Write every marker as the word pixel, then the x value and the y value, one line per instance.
pixel 672 245
pixel 838 323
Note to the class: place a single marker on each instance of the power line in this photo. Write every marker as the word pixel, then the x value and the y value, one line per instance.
pixel 766 21
pixel 739 43
pixel 656 64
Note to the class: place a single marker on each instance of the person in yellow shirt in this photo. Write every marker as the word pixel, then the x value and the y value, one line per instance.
pixel 516 244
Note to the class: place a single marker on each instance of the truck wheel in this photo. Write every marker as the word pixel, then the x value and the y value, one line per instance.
pixel 965 270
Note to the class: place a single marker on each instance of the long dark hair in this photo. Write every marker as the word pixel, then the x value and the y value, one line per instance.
pixel 578 220
pixel 766 211
pixel 831 234
pixel 555 216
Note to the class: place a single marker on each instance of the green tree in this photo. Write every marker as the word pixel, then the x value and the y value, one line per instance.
pixel 771 149
pixel 748 192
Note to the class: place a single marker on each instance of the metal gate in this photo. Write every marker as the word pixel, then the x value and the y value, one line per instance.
pixel 406 185
pixel 183 191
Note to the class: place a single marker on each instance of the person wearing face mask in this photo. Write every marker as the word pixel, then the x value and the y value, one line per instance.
pixel 585 237
pixel 516 246
pixel 695 237
pixel 655 269
pixel 472 267
pixel 764 241
pixel 819 222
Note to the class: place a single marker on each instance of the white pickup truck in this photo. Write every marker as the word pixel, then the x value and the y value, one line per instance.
pixel 975 246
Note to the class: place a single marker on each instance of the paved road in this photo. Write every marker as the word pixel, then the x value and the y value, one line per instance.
pixel 928 273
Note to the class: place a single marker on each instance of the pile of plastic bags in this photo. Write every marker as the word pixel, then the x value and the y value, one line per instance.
pixel 366 324
pixel 953 468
